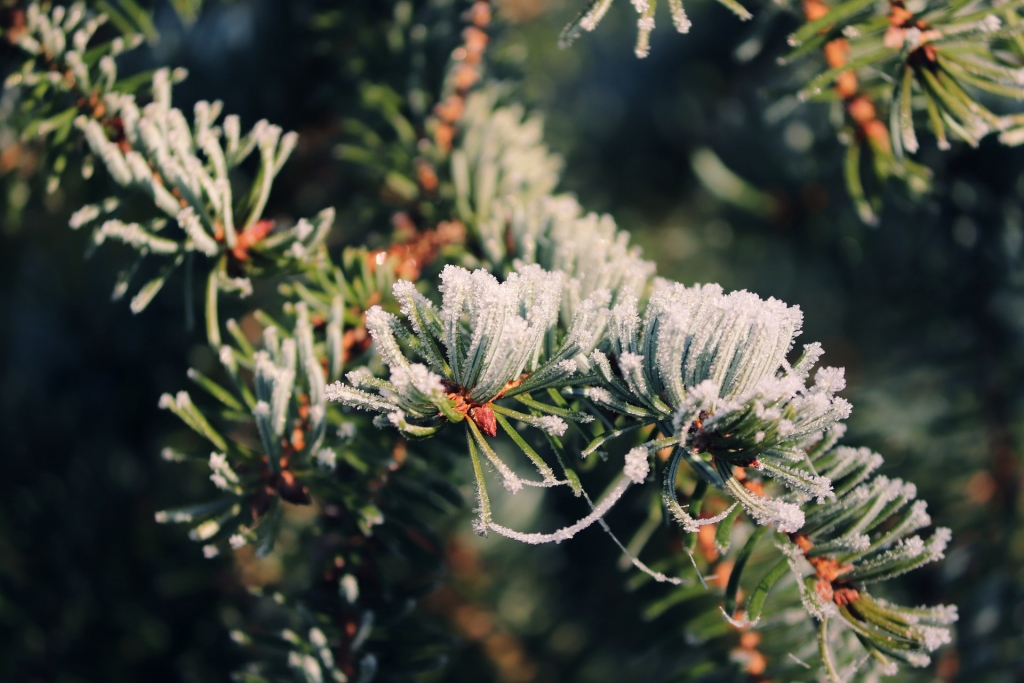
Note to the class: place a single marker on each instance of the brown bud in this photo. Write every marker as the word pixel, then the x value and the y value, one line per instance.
pixel 451 109
pixel 899 16
pixel 878 134
pixel 443 136
pixel 484 418
pixel 426 176
pixel 480 13
pixel 814 9
pixel 836 52
pixel 466 77
pixel 861 110
pixel 292 489
pixel 476 41
pixel 846 84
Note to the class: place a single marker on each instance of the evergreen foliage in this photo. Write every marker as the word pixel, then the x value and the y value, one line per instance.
pixel 502 329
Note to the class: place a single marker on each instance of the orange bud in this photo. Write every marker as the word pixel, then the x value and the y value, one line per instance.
pixel 861 110
pixel 484 418
pixel 836 52
pixel 846 84
pixel 814 9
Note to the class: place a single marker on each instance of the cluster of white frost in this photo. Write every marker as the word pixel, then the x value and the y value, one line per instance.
pixel 277 367
pixel 710 369
pixel 504 177
pixel 311 657
pixel 500 155
pixel 488 339
pixel 184 170
pixel 714 366
pixel 65 33
pixel 867 529
pixel 288 388
pixel 555 233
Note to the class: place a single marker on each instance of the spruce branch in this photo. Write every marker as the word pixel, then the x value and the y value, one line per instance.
pixel 553 333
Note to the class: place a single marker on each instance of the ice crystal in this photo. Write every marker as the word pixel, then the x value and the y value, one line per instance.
pixel 637 466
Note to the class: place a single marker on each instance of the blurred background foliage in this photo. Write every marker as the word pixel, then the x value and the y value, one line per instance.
pixel 701 151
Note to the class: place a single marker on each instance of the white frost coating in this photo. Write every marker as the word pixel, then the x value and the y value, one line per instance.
pixel 735 339
pixel 637 466
pixel 508 322
pixel 223 476
pixel 87 214
pixel 504 154
pixel 348 586
pixel 829 380
pixel 353 397
pixel 135 236
pixel 939 615
pixel 990 23
pixel 568 367
pixel 327 459
pixel 715 363
pixel 173 165
pixel 307 665
pixel 551 424
pixel 939 541
pixel 171 455
pixel 933 637
pixel 417 377
pixel 679 18
pixel 347 431
pixel 487 338
pixel 565 533
pixel 359 376
pixel 693 525
pixel 176 516
pixel 555 233
pixel 317 637
pixel 786 517
pixel 379 324
pixel 205 531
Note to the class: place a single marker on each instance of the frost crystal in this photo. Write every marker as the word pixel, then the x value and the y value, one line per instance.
pixel 327 459
pixel 637 466
pixel 223 476
pixel 552 424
